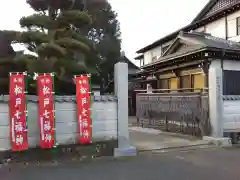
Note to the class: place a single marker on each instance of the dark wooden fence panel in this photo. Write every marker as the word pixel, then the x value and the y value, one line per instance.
pixel 187 113
pixel 231 85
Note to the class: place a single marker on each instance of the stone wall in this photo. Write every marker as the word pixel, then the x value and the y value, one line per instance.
pixel 231 113
pixel 104 120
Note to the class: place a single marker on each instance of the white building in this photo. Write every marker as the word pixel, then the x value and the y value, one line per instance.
pixel 183 60
pixel 220 18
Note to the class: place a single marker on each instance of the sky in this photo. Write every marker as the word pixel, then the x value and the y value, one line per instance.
pixel 142 22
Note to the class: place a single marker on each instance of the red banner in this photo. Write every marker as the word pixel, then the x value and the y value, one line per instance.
pixel 83 109
pixel 45 110
pixel 17 112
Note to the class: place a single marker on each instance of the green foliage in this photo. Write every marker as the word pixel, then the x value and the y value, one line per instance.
pixel 75 17
pixel 9 63
pixel 36 21
pixel 50 34
pixel 68 40
pixel 105 33
pixel 73 44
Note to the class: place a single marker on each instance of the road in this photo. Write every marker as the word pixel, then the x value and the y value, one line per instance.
pixel 207 164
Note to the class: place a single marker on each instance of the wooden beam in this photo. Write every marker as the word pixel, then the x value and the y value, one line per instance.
pixel 179 66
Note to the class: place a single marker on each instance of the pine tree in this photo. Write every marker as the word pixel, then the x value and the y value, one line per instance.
pixel 50 34
pixel 105 33
pixel 8 62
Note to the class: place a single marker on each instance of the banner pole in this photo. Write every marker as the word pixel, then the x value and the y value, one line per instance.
pixel 90 108
pixel 54 115
pixel 26 110
pixel 90 105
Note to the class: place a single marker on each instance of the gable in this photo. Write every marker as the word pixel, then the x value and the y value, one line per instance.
pixel 214 6
pixel 179 45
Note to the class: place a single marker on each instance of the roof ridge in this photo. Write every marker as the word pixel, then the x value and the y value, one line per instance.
pixel 222 40
pixel 213 38
pixel 205 9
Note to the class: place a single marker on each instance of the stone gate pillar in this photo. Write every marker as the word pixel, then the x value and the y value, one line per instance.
pixel 216 109
pixel 121 91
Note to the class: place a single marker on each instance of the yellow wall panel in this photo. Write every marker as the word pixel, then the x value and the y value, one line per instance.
pixel 174 83
pixel 198 81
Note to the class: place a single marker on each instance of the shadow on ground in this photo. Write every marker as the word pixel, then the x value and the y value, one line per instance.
pixel 199 164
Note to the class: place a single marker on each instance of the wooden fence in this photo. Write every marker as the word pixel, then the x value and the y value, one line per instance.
pixel 178 110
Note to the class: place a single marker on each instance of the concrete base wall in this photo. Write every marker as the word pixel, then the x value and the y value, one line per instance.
pixel 104 120
pixel 231 113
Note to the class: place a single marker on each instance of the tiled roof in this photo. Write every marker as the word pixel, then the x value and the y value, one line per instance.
pixel 220 5
pixel 211 41
pixel 195 42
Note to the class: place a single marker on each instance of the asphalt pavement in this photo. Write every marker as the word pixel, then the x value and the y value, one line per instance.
pixel 199 164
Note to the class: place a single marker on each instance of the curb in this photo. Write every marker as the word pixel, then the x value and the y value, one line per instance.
pixel 187 147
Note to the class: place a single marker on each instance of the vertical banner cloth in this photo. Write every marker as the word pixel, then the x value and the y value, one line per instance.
pixel 46 110
pixel 17 112
pixel 83 109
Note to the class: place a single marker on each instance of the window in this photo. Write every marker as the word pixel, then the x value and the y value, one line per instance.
pixel 231 82
pixel 238 25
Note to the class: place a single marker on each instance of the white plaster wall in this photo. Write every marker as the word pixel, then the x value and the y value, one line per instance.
pixel 148 56
pixel 104 123
pixel 156 51
pixel 232 29
pixel 231 65
pixel 217 28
